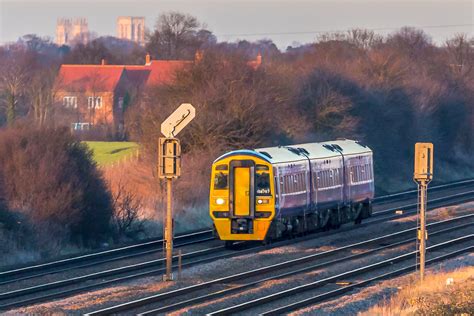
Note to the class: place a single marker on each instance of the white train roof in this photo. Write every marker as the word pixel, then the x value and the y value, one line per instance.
pixel 294 153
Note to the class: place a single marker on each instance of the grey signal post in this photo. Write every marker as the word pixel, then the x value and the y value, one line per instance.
pixel 169 168
pixel 423 174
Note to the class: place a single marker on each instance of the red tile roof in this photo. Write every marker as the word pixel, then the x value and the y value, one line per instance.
pixel 137 75
pixel 164 71
pixel 100 78
pixel 105 78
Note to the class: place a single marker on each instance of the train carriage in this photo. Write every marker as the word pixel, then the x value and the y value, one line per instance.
pixel 268 192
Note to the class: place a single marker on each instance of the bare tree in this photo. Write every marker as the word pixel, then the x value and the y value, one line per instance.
pixel 460 54
pixel 14 75
pixel 364 38
pixel 42 91
pixel 176 36
pixel 126 207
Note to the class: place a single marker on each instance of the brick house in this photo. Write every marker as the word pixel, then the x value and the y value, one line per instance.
pixel 95 96
pixel 90 95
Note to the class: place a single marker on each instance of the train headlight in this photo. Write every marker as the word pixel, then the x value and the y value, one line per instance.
pixel 262 201
pixel 220 201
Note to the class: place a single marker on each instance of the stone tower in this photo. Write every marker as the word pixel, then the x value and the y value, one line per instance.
pixel 131 28
pixel 72 31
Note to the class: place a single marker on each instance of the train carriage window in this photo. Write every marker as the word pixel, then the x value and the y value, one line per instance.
pixel 338 177
pixel 262 183
pixel 301 182
pixel 220 181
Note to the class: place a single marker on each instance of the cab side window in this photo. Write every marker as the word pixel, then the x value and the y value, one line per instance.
pixel 220 181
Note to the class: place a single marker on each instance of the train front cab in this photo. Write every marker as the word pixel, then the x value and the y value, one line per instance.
pixel 242 203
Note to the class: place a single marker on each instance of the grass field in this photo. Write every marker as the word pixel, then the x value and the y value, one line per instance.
pixel 106 153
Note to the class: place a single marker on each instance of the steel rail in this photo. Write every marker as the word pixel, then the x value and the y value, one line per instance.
pixel 430 202
pixel 239 276
pixel 100 254
pixel 208 297
pixel 430 189
pixel 344 275
pixel 331 294
pixel 116 271
pixel 127 256
pixel 16 275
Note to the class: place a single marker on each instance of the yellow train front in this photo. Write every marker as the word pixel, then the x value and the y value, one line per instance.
pixel 242 203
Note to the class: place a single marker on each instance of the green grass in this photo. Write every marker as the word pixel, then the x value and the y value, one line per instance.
pixel 106 153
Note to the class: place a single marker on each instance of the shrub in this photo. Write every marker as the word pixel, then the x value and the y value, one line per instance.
pixel 51 178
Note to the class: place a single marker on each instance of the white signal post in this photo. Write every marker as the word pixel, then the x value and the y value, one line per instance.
pixel 169 168
pixel 423 174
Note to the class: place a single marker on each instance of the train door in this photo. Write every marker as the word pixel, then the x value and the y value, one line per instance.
pixel 242 188
pixel 347 179
pixel 242 191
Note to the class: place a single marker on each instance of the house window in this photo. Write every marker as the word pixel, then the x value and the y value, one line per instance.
pixel 94 102
pixel 70 102
pixel 81 126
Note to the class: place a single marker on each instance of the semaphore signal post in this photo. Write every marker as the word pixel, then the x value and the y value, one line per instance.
pixel 169 168
pixel 423 174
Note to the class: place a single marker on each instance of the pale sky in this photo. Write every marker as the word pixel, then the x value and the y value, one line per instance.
pixel 285 22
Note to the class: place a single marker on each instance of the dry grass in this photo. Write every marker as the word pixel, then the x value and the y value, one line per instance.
pixel 433 297
pixel 190 191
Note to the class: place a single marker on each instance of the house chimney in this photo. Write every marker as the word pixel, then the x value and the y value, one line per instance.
pixel 103 62
pixel 198 56
pixel 259 59
pixel 147 59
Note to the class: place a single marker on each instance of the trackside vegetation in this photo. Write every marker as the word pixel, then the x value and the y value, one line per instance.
pixel 52 194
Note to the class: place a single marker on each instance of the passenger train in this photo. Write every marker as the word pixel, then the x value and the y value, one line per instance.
pixel 266 193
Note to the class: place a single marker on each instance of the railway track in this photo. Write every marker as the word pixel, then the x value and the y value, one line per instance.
pixel 366 281
pixel 150 247
pixel 43 292
pixel 156 245
pixel 281 270
pixel 368 278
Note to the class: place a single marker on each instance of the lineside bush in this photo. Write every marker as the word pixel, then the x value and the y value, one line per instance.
pixel 50 178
